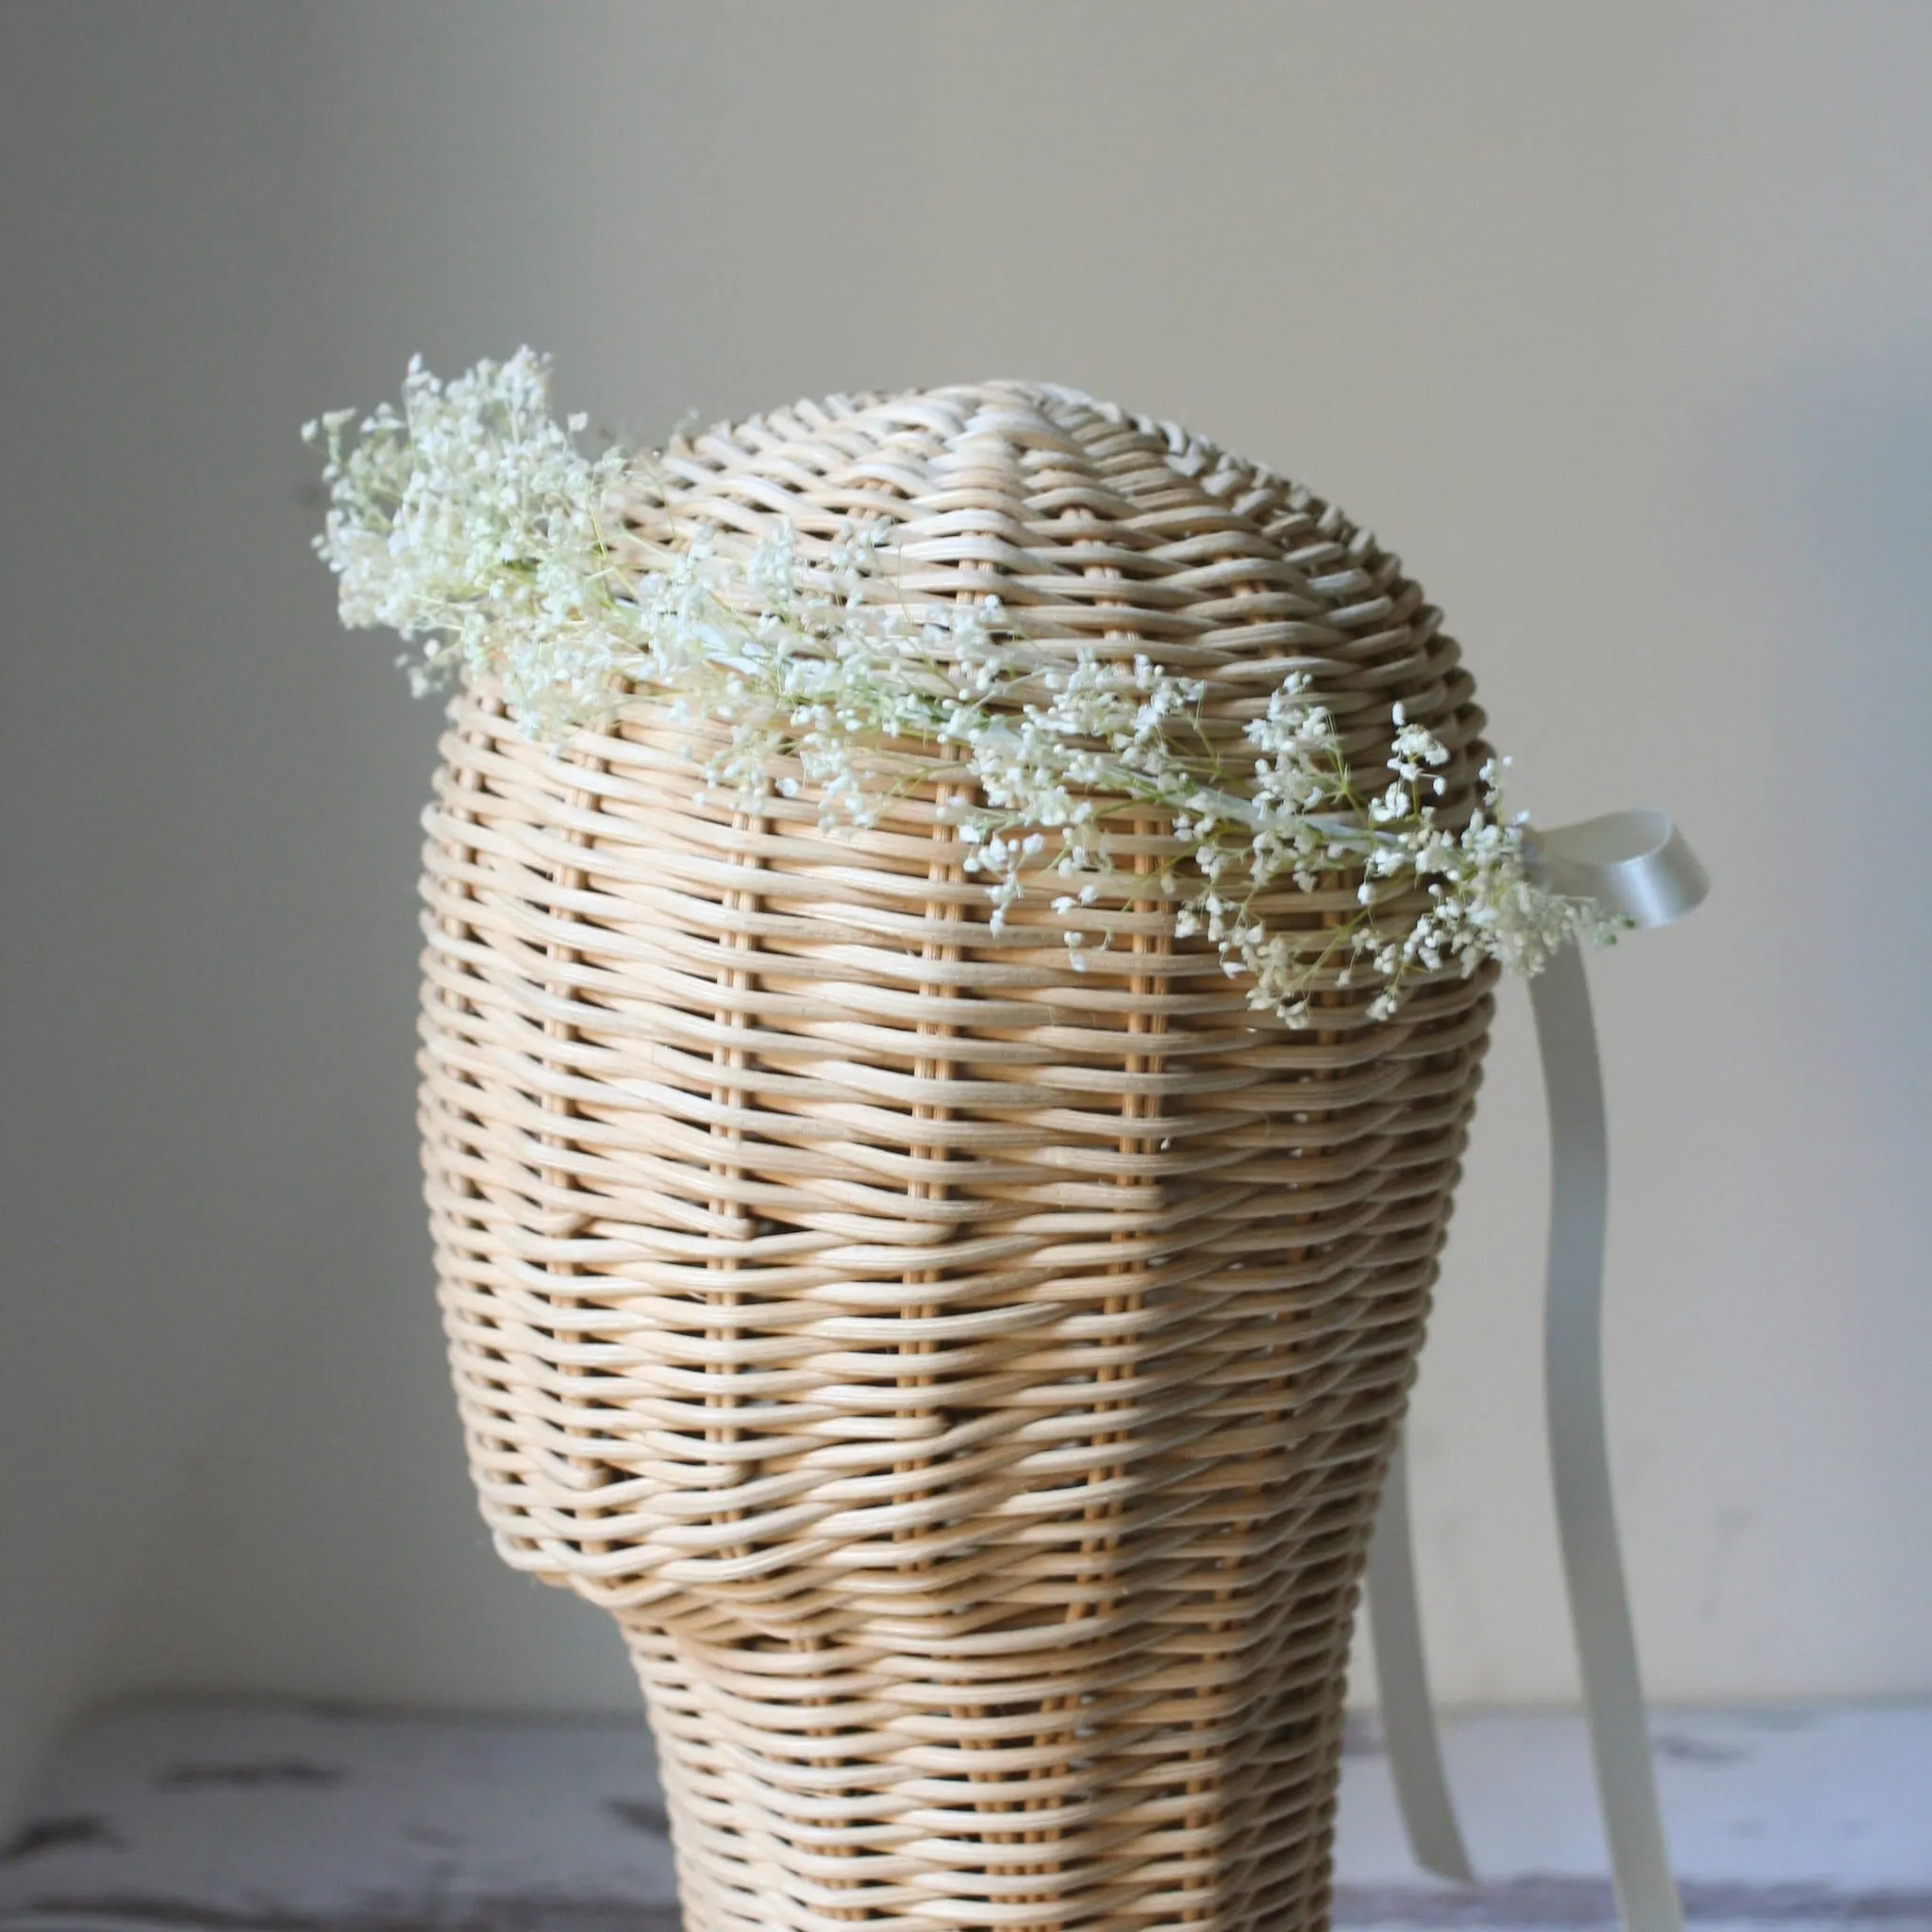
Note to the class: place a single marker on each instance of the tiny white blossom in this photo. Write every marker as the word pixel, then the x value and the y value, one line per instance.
pixel 469 523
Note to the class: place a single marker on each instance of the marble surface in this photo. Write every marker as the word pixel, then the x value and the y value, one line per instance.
pixel 272 1818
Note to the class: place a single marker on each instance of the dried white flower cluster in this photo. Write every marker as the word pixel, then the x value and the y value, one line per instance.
pixel 471 522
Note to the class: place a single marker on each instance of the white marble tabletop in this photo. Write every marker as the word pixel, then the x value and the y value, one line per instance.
pixel 271 1818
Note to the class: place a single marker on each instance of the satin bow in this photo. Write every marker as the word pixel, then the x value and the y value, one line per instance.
pixel 1633 863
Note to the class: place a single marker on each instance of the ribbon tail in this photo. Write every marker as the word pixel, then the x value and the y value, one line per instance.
pixel 1638 865
pixel 1408 1714
pixel 1579 1457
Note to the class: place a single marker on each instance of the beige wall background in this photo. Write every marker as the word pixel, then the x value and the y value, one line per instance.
pixel 1616 319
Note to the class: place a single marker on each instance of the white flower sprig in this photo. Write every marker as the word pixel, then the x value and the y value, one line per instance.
pixel 470 520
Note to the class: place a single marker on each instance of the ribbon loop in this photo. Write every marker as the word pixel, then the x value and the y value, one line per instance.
pixel 1633 862
pixel 1637 864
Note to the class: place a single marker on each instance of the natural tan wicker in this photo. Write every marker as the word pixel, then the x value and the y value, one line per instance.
pixel 968 1380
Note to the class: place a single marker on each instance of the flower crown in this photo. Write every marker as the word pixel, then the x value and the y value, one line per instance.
pixel 471 522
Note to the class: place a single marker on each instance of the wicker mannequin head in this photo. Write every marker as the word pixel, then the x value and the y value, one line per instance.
pixel 969 1380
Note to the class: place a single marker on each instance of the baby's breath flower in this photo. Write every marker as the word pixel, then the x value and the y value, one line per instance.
pixel 469 523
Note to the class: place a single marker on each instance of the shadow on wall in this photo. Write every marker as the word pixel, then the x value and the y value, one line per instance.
pixel 1834 475
pixel 1831 474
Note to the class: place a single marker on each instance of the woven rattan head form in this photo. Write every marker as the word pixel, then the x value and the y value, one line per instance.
pixel 970 1380
pixel 1095 527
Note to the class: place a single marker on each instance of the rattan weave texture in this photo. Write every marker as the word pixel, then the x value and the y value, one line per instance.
pixel 968 1380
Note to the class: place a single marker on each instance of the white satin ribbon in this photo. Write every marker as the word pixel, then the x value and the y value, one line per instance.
pixel 1635 863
